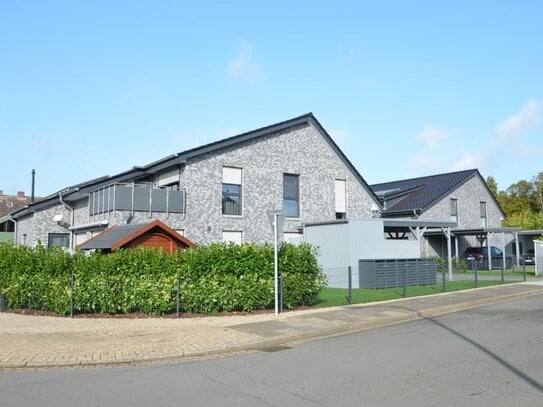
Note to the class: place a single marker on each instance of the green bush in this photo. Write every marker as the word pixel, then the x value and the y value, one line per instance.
pixel 213 278
pixel 459 264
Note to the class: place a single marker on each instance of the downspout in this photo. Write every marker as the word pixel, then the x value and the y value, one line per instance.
pixel 417 215
pixel 14 231
pixel 72 217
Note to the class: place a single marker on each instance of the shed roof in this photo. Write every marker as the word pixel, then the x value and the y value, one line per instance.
pixel 119 236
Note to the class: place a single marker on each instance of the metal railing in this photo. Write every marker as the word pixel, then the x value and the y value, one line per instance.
pixel 137 197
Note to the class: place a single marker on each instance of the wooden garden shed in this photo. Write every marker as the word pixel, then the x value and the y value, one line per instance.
pixel 153 234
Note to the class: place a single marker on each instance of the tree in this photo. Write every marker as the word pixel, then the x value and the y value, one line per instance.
pixel 493 186
pixel 522 202
pixel 537 183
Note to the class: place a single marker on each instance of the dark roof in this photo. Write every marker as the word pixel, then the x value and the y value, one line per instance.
pixel 119 235
pixel 405 196
pixel 77 191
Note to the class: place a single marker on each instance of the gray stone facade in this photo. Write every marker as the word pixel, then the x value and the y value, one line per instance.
pixel 301 150
pixel 469 196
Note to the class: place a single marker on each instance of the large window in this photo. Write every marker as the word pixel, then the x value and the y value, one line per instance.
pixel 231 191
pixel 454 210
pixel 59 239
pixel 482 206
pixel 291 195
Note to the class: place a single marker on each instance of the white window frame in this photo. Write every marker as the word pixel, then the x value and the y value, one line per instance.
pixel 297 199
pixel 483 214
pixel 340 193
pixel 234 236
pixel 453 214
pixel 232 176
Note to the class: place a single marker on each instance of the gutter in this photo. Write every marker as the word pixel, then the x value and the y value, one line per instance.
pixel 98 224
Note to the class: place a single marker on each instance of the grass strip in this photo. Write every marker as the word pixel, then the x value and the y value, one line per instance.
pixel 332 297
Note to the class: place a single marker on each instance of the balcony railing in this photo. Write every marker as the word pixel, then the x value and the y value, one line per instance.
pixel 137 197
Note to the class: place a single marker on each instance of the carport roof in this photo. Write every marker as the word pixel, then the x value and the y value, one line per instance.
pixel 391 222
pixel 536 232
pixel 481 231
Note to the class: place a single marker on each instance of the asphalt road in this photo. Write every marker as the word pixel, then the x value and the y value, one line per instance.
pixel 486 356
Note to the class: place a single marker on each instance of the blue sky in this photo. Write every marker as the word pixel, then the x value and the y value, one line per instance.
pixel 89 88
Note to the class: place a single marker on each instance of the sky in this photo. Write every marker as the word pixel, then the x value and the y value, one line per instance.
pixel 406 89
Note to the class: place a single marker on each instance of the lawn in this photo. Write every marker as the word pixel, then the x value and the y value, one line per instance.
pixel 516 272
pixel 331 297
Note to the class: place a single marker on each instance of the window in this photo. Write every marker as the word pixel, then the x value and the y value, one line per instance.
pixel 231 191
pixel 233 236
pixel 59 239
pixel 454 210
pixel 482 206
pixel 340 199
pixel 291 195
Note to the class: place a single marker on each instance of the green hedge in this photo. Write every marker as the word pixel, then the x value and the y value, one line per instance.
pixel 214 278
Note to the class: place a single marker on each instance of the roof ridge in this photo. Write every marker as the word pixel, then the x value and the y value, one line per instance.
pixel 471 171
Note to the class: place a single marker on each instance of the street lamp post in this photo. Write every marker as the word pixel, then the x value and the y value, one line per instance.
pixel 276 218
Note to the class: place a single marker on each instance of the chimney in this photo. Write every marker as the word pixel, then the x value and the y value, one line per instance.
pixel 33 183
pixel 20 194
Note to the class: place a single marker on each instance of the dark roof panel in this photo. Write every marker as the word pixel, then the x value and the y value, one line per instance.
pixel 109 237
pixel 419 193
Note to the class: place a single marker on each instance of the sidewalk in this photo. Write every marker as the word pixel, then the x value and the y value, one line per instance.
pixel 40 342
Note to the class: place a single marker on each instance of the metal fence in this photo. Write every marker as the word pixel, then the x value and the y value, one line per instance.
pixel 344 283
pixel 39 297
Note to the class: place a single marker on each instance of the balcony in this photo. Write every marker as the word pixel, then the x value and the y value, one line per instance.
pixel 137 197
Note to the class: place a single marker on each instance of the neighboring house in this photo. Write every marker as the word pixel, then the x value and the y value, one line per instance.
pixel 462 197
pixel 8 204
pixel 152 234
pixel 217 192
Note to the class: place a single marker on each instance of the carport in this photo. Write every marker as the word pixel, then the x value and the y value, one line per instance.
pixel 484 235
pixel 398 229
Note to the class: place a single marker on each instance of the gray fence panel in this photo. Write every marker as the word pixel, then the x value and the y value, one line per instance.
pixel 390 273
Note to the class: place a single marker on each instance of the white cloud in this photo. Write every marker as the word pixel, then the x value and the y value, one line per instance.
pixel 243 66
pixel 431 138
pixel 526 150
pixel 469 161
pixel 528 118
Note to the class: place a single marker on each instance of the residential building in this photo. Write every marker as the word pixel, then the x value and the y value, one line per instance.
pixel 462 197
pixel 8 204
pixel 221 191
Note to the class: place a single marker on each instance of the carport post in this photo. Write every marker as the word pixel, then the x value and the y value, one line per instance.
pixel 489 253
pixel 517 249
pixel 504 264
pixel 447 232
pixel 455 246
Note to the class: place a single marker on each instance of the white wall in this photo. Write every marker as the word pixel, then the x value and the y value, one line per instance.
pixel 344 244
